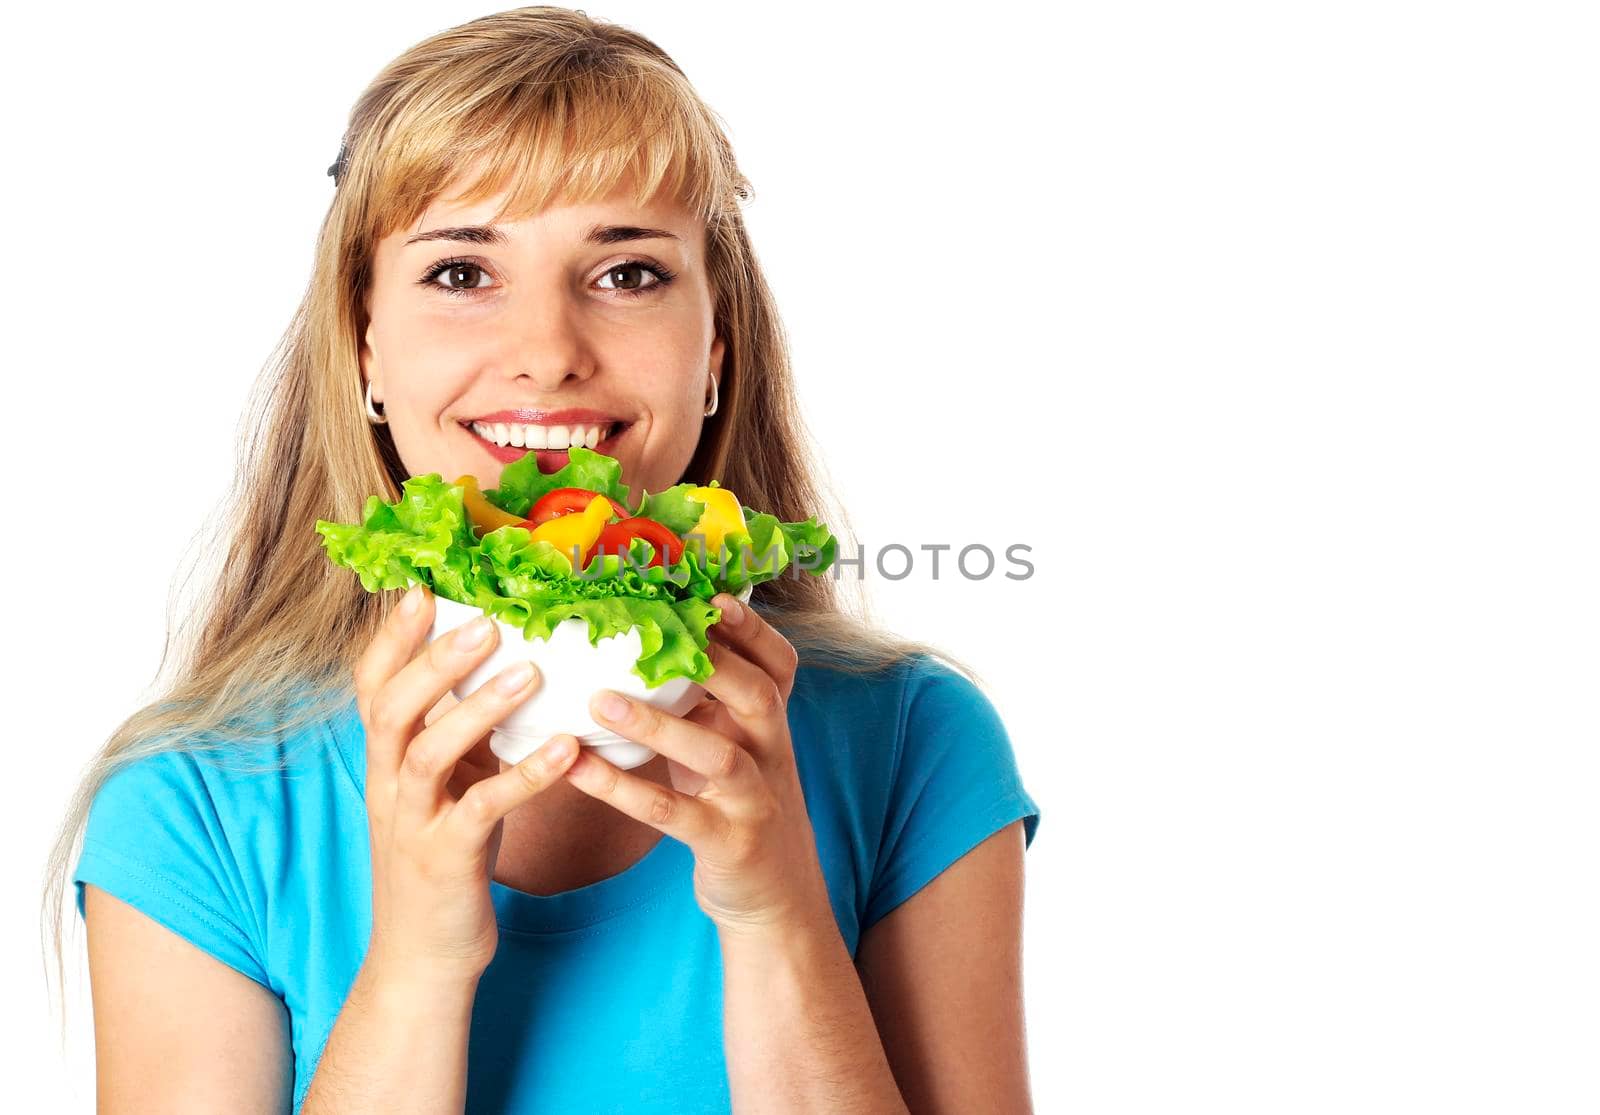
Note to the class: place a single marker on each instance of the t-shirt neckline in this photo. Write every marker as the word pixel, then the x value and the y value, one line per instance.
pixel 667 862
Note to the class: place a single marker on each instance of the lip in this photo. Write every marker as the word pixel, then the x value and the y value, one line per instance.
pixel 526 416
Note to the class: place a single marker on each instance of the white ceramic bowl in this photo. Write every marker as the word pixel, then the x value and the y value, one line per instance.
pixel 570 672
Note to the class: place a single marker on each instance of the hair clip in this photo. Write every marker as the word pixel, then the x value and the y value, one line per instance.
pixel 336 171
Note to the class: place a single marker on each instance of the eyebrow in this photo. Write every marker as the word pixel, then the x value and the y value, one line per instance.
pixel 489 234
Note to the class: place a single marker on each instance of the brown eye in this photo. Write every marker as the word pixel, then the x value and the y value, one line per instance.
pixel 627 276
pixel 460 277
pixel 463 273
pixel 627 279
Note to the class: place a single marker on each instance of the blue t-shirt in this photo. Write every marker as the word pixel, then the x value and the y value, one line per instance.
pixel 607 998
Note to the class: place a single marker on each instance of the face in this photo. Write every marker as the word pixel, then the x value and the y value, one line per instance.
pixel 549 330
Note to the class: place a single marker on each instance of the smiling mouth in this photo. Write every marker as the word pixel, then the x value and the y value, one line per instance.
pixel 511 435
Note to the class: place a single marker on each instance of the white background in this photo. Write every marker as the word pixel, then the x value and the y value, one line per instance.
pixel 1269 326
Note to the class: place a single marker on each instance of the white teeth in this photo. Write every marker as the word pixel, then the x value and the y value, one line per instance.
pixel 543 437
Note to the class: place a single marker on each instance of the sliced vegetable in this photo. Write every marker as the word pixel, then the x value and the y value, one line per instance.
pixel 576 534
pixel 483 515
pixel 722 516
pixel 565 501
pixel 617 537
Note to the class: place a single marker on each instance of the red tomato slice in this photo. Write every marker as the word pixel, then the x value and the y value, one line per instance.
pixel 615 538
pixel 658 536
pixel 564 501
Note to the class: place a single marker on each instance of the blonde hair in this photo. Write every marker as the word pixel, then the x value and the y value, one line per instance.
pixel 559 107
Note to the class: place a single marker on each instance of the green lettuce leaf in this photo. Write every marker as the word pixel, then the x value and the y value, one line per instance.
pixel 422 537
pixel 522 484
pixel 673 508
pixel 672 633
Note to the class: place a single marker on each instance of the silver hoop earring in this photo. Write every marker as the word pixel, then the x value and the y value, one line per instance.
pixel 712 407
pixel 373 416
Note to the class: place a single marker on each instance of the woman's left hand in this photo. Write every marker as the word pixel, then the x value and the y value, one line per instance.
pixel 745 816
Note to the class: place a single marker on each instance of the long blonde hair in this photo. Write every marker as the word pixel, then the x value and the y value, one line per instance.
pixel 559 107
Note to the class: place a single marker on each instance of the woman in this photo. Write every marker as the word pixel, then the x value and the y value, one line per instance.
pixel 306 881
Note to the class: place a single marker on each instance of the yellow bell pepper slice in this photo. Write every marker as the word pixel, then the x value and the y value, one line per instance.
pixel 577 531
pixel 722 516
pixel 483 515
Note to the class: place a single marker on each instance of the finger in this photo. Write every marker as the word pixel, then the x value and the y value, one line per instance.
pixel 719 760
pixel 744 630
pixel 399 706
pixel 748 693
pixel 712 715
pixel 686 818
pixel 431 757
pixel 397 640
pixel 480 762
pixel 486 802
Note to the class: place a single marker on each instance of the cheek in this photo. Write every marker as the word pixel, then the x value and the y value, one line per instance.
pixel 691 363
pixel 438 341
pixel 424 392
pixel 662 375
pixel 425 368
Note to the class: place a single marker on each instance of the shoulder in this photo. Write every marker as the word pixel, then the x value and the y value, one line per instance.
pixel 215 818
pixel 879 691
pixel 876 717
pixel 218 778
pixel 849 724
pixel 220 839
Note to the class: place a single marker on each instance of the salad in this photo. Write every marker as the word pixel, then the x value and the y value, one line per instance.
pixel 543 548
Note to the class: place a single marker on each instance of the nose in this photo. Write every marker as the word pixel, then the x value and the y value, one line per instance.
pixel 549 344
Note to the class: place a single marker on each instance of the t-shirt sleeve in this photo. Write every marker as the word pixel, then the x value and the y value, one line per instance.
pixel 955 783
pixel 155 840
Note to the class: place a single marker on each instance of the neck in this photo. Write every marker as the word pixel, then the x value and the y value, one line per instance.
pixel 564 839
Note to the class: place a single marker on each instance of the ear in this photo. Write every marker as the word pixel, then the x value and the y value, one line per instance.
pixel 369 364
pixel 718 351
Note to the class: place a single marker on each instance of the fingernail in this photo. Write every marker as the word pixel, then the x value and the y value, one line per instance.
pixel 612 707
pixel 472 634
pixel 557 749
pixel 411 601
pixel 732 612
pixel 513 678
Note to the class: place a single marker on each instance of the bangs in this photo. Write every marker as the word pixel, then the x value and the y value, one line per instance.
pixel 572 137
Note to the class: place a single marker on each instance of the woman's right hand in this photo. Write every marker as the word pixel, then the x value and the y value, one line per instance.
pixel 434 847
